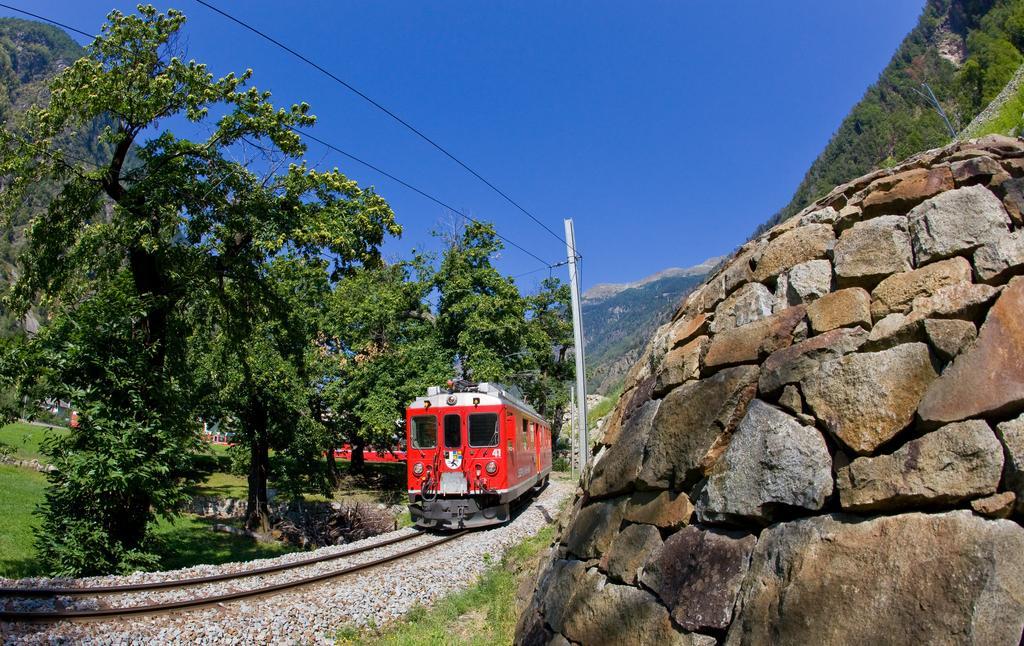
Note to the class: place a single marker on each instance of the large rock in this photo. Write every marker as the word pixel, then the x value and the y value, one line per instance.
pixel 988 379
pixel 595 613
pixel 1011 434
pixel 894 329
pixel 949 578
pixel 872 250
pixel 866 399
pixel 681 365
pixel 664 509
pixel 749 303
pixel 804 243
pixel 697 573
pixel 630 549
pixel 693 426
pixel 1012 192
pixel 956 222
pixel 977 170
pixel 790 365
pixel 897 292
pixel 703 299
pixel 998 505
pixel 845 308
pixel 803 283
pixel 740 270
pixel 959 301
pixel 685 329
pixel 773 462
pixel 752 341
pixel 827 215
pixel 949 336
pixel 996 260
pixel 899 192
pixel 594 528
pixel 957 462
pixel 559 585
pixel 619 468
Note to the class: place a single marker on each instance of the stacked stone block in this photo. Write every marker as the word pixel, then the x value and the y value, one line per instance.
pixel 826 443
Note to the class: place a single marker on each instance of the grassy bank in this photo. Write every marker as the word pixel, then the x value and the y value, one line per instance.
pixel 22 490
pixel 25 440
pixel 484 614
pixel 187 540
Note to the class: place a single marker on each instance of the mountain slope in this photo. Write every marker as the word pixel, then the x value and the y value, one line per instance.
pixel 618 318
pixel 31 54
pixel 965 50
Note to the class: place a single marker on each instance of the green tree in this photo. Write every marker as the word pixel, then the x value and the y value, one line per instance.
pixel 481 315
pixel 549 339
pixel 172 231
pixel 386 350
pixel 496 334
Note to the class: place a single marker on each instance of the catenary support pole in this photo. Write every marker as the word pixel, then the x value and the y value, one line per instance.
pixel 577 326
pixel 572 432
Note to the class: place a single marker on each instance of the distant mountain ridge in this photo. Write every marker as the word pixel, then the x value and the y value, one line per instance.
pixel 603 291
pixel 619 317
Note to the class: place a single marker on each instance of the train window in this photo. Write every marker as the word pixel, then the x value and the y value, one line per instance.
pixel 526 433
pixel 483 429
pixel 424 432
pixel 452 431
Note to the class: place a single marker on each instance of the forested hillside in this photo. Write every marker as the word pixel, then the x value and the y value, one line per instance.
pixel 31 53
pixel 965 50
pixel 617 326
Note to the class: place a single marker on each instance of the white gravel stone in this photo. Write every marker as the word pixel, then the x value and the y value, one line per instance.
pixel 311 614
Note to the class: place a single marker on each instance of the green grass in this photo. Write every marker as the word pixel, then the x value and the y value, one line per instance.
pixel 483 614
pixel 603 407
pixel 187 540
pixel 222 485
pixel 21 490
pixel 26 439
pixel 381 482
pixel 1007 120
pixel 190 540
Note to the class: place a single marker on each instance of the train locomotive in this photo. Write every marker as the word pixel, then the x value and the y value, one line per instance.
pixel 472 450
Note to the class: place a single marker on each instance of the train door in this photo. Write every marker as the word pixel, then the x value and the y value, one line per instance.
pixel 453 478
pixel 538 443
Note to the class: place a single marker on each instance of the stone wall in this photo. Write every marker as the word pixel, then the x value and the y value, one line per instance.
pixel 826 444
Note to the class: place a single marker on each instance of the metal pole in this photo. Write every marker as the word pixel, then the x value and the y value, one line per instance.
pixel 572 432
pixel 577 325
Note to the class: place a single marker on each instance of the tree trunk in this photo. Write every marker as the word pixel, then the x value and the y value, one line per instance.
pixel 358 459
pixel 258 510
pixel 332 465
pixel 556 424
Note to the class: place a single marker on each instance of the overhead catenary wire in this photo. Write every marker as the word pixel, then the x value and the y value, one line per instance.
pixel 311 137
pixel 383 109
pixel 49 20
pixel 303 133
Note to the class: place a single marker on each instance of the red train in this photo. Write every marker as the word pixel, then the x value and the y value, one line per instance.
pixel 472 449
pixel 372 455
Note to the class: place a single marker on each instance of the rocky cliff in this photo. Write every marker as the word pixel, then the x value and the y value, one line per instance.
pixel 826 443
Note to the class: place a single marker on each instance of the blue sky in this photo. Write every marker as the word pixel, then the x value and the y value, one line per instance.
pixel 667 130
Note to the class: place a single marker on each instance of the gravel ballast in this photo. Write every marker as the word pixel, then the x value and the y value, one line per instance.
pixel 310 614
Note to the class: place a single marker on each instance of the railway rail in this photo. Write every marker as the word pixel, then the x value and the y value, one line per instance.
pixel 197 602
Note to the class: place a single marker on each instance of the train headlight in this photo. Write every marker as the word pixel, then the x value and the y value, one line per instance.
pixel 492 467
pixel 417 469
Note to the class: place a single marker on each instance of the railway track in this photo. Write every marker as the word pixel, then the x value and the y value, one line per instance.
pixel 206 600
